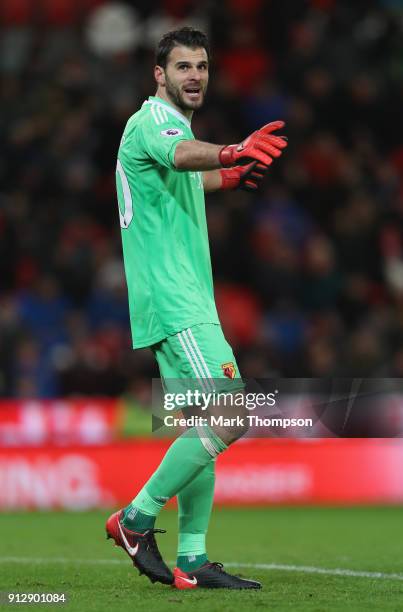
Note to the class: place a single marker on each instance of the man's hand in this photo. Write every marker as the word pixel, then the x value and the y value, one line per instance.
pixel 247 177
pixel 261 146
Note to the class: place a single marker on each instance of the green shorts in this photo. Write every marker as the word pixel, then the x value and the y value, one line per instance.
pixel 202 356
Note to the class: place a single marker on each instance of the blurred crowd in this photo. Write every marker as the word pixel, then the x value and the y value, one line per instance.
pixel 308 274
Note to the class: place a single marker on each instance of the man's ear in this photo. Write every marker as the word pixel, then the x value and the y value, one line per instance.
pixel 159 75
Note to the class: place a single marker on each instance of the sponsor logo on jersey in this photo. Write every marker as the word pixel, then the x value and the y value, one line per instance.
pixel 229 370
pixel 172 132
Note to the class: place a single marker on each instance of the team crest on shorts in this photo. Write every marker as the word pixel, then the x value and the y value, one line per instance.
pixel 229 370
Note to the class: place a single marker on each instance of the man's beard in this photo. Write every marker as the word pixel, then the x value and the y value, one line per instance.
pixel 176 96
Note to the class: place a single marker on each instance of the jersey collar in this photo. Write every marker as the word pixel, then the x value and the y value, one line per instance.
pixel 168 108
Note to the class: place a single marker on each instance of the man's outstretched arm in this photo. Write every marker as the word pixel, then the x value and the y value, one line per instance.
pixel 197 155
pixel 261 146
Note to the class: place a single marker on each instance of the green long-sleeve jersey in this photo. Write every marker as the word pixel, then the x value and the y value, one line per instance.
pixel 164 230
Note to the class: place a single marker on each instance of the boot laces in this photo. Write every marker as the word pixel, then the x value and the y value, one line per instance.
pixel 219 567
pixel 151 541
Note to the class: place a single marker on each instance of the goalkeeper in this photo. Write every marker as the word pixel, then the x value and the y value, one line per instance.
pixel 162 174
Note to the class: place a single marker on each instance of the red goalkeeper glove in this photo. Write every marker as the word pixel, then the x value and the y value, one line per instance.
pixel 247 177
pixel 260 146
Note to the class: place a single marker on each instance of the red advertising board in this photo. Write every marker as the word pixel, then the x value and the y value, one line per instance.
pixel 332 471
pixel 60 421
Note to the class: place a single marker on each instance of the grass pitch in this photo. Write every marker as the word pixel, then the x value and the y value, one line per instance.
pixel 308 559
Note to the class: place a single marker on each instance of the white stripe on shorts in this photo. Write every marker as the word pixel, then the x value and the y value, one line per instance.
pixel 184 342
pixel 198 351
pixel 195 349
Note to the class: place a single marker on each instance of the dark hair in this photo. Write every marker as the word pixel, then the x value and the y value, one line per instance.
pixel 188 37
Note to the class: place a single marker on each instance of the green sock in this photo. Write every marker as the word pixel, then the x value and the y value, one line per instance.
pixel 141 520
pixel 189 563
pixel 183 461
pixel 195 503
